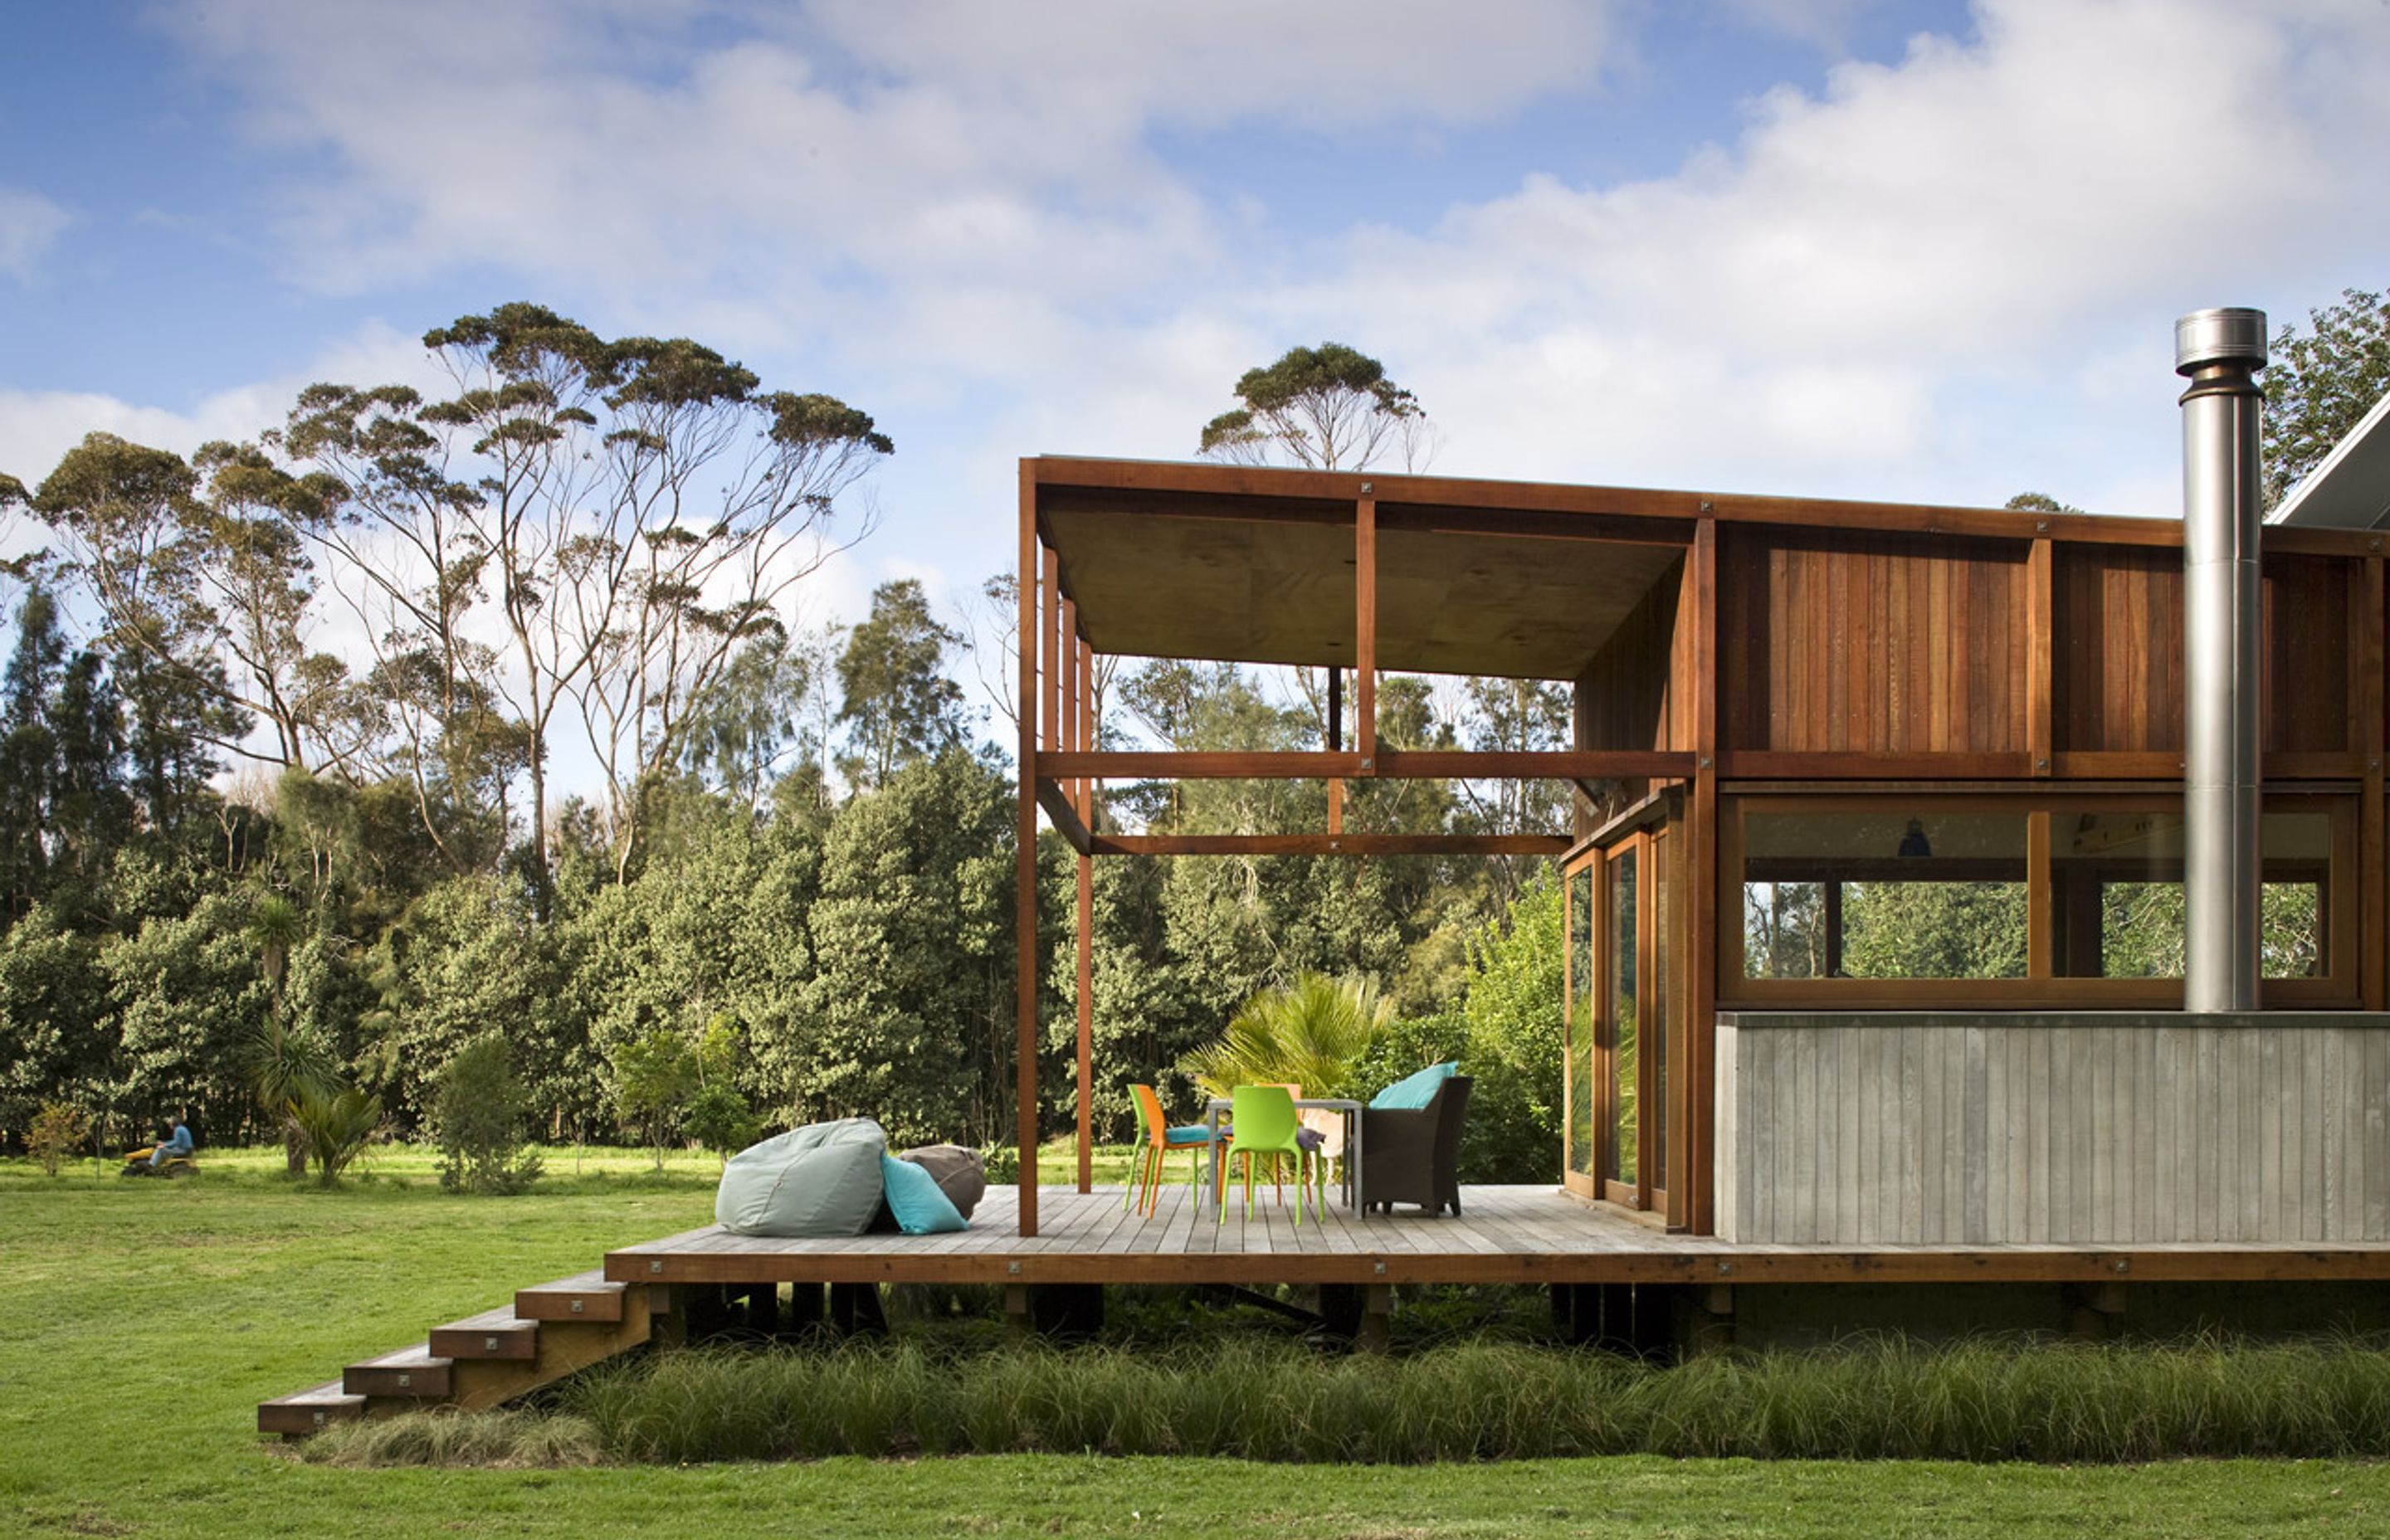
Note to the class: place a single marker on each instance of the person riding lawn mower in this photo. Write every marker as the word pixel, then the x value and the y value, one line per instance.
pixel 170 1157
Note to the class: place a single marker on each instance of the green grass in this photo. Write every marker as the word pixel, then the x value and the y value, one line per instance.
pixel 140 1322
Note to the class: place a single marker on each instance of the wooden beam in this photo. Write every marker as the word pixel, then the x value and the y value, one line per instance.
pixel 1329 844
pixel 1710 890
pixel 1062 816
pixel 1781 765
pixel 2038 726
pixel 2039 920
pixel 1067 677
pixel 1086 1047
pixel 1050 678
pixel 1025 923
pixel 1365 620
pixel 1391 765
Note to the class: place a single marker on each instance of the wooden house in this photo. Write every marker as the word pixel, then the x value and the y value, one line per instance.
pixel 1876 893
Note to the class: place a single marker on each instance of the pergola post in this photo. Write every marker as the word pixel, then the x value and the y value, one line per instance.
pixel 1025 856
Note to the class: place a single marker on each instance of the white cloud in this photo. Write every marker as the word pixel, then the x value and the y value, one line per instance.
pixel 1842 299
pixel 1886 287
pixel 30 224
pixel 38 426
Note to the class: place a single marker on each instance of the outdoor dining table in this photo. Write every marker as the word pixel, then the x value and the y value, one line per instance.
pixel 1217 1107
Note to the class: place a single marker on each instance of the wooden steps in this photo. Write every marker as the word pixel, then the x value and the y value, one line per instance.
pixel 310 1411
pixel 483 1361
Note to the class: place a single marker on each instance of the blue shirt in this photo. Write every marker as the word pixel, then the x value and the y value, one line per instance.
pixel 181 1143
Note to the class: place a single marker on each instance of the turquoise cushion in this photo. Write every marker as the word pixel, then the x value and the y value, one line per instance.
pixel 1413 1092
pixel 914 1199
pixel 1194 1134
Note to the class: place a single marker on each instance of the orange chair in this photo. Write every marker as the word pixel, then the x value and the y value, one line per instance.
pixel 1160 1140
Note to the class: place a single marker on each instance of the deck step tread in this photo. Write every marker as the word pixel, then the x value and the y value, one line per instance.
pixel 582 1297
pixel 498 1333
pixel 412 1372
pixel 309 1410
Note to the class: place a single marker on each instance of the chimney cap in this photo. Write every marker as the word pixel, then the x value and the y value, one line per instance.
pixel 2230 335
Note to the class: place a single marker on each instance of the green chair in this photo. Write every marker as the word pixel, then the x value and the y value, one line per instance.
pixel 1264 1120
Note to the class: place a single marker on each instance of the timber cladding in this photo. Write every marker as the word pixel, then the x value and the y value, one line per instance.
pixel 2117 682
pixel 2094 1128
pixel 1871 643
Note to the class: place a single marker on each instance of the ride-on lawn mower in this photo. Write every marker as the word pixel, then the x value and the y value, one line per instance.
pixel 176 1163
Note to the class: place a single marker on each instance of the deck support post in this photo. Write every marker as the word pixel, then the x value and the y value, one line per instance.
pixel 1704 1318
pixel 855 1310
pixel 1376 1314
pixel 2095 1312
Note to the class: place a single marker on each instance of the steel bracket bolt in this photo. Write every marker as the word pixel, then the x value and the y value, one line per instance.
pixel 2041 765
pixel 2041 526
pixel 2373 545
pixel 1704 762
pixel 1378 1268
pixel 1369 488
pixel 2123 1265
pixel 576 1307
pixel 655 1268
pixel 1012 1268
pixel 1724 1268
pixel 406 1381
pixel 1708 506
pixel 1369 764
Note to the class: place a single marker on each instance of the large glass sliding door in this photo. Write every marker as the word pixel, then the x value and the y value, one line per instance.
pixel 1622 908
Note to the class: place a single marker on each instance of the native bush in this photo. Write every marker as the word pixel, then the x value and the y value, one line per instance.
pixel 477 1118
pixel 57 1128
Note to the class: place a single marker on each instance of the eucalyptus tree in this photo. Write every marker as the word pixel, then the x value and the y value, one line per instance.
pixel 585 520
pixel 137 535
pixel 1326 408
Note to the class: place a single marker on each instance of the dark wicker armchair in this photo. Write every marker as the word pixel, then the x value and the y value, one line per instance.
pixel 1413 1155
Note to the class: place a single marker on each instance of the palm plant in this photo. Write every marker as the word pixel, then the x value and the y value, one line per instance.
pixel 334 1126
pixel 1310 1033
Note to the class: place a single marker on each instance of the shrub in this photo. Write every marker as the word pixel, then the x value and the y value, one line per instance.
pixel 335 1127
pixel 719 1118
pixel 477 1115
pixel 57 1128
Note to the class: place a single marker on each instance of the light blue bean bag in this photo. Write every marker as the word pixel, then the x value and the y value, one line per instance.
pixel 821 1180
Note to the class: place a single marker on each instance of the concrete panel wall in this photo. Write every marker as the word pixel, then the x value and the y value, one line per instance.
pixel 2088 1128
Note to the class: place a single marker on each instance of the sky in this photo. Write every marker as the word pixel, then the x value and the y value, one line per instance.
pixel 1834 248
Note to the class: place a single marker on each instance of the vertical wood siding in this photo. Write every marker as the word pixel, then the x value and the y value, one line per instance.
pixel 1984 1133
pixel 1872 643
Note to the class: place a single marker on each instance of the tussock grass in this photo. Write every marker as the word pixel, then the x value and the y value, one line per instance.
pixel 504 1440
pixel 1980 1400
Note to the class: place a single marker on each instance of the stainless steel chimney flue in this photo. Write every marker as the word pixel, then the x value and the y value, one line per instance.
pixel 2221 351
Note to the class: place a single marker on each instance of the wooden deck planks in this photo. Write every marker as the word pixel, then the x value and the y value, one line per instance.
pixel 1504 1234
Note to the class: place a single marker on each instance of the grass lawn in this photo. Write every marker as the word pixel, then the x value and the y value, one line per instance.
pixel 140 1322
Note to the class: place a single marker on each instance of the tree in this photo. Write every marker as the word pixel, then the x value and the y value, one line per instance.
pixel 477 1120
pixel 1326 408
pixel 2320 385
pixel 149 549
pixel 899 705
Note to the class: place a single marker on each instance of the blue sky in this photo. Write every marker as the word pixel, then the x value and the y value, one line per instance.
pixel 1827 247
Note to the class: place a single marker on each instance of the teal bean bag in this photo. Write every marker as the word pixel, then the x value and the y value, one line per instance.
pixel 821 1180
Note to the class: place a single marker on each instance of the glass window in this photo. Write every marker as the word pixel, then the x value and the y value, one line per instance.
pixel 1581 1032
pixel 2116 902
pixel 1664 952
pixel 1901 893
pixel 1620 1164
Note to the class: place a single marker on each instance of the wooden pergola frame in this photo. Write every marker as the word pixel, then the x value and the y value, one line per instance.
pixel 2056 564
